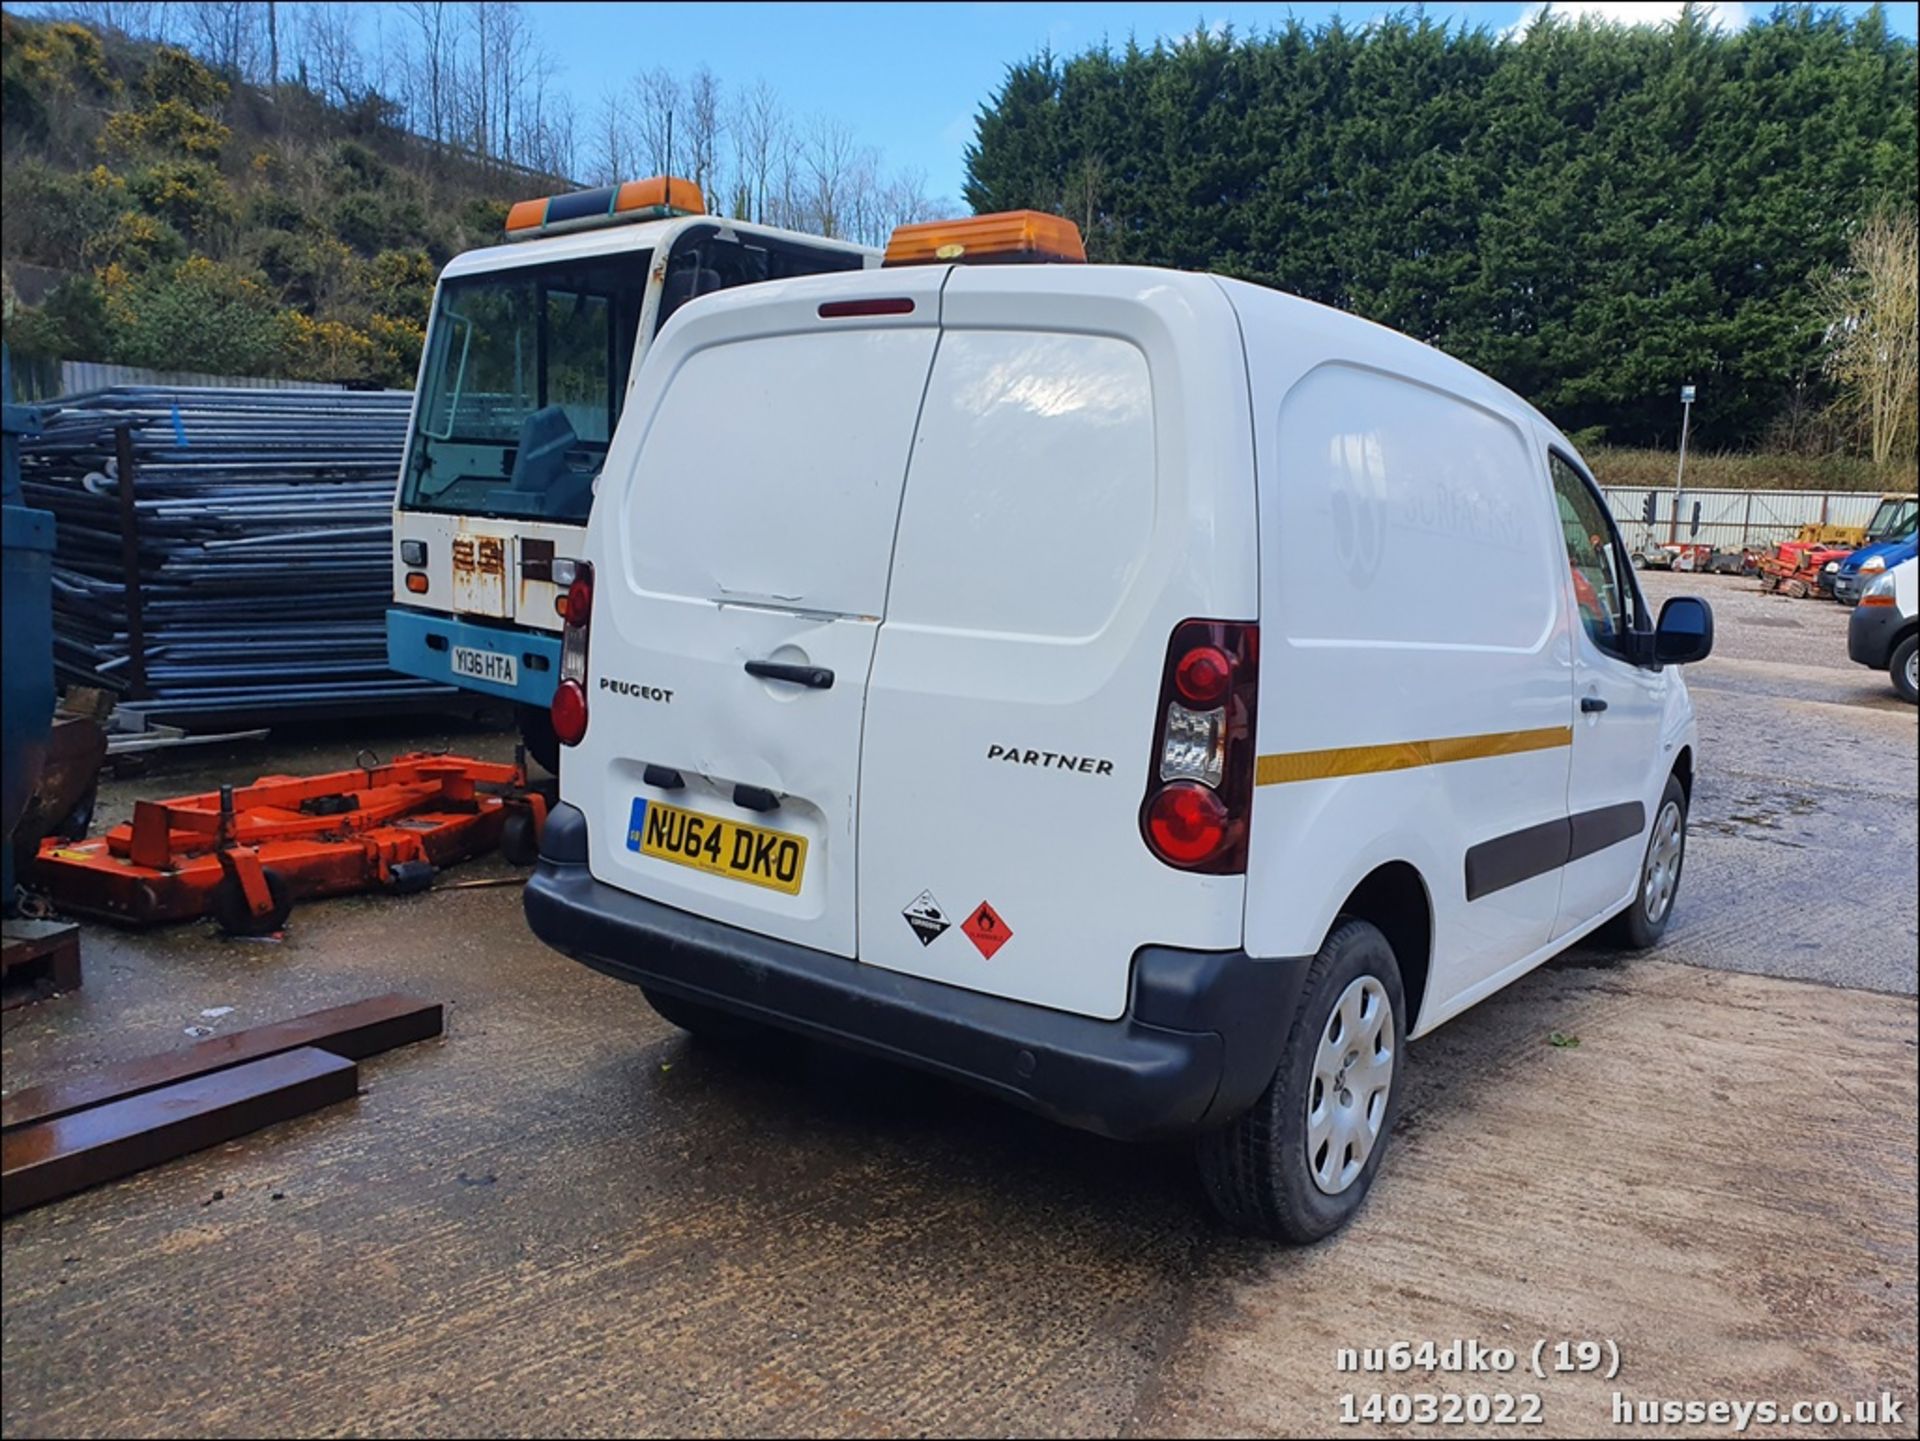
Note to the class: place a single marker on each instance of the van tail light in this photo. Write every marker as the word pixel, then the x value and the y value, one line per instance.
pixel 1200 782
pixel 570 695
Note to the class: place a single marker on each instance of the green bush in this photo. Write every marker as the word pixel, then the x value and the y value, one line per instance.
pixel 70 325
pixel 173 74
pixel 398 284
pixel 199 313
pixel 52 215
pixel 172 126
pixel 189 195
pixel 136 242
pixel 270 209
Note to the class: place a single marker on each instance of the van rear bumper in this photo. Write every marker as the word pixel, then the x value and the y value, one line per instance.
pixel 1201 1037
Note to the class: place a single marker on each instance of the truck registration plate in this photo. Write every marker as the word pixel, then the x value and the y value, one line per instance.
pixel 489 665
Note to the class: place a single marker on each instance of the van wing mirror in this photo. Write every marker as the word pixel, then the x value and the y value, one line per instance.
pixel 1684 633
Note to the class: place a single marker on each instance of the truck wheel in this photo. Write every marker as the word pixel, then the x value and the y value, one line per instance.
pixel 536 734
pixel 519 842
pixel 230 909
pixel 705 1022
pixel 1905 667
pixel 1299 1163
pixel 1640 926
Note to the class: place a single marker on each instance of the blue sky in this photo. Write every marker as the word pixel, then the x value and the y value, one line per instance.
pixel 908 78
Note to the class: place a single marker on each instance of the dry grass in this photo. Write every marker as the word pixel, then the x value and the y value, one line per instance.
pixel 1746 472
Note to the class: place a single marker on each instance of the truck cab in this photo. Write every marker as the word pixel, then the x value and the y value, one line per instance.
pixel 529 352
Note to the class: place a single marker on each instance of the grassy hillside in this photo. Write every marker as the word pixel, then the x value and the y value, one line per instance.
pixel 160 214
pixel 1616 466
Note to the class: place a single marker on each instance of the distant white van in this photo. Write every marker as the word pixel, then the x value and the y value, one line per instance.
pixel 1141 695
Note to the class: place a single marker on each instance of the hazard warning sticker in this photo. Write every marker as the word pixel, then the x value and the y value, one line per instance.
pixel 986 930
pixel 929 922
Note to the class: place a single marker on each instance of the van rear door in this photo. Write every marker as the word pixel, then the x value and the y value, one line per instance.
pixel 741 577
pixel 1081 483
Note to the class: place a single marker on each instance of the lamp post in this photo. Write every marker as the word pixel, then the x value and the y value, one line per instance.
pixel 1686 415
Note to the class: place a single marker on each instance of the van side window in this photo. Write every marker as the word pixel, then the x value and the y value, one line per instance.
pixel 1599 586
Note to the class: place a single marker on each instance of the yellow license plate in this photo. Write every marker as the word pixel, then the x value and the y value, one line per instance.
pixel 761 857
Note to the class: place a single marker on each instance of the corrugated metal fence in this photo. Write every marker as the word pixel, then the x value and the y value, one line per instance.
pixel 1734 519
pixel 45 380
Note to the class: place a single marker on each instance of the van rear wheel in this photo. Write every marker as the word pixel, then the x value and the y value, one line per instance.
pixel 1299 1163
pixel 705 1022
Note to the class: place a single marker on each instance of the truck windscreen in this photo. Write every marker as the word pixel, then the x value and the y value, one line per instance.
pixel 524 377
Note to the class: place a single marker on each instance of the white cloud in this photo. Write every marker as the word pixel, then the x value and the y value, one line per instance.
pixel 1721 14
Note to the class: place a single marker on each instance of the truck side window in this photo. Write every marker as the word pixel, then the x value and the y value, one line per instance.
pixel 1600 587
pixel 704 260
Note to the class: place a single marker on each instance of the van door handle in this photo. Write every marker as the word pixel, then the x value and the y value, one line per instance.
pixel 1591 705
pixel 816 677
pixel 755 798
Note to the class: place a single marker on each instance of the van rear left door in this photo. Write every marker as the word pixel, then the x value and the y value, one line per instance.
pixel 741 575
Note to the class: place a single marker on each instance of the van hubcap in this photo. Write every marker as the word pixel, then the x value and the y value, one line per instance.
pixel 1352 1080
pixel 1663 862
pixel 1913 670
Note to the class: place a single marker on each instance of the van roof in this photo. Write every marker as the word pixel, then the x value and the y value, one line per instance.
pixel 1261 311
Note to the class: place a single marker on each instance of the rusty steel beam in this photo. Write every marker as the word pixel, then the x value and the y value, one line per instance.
pixel 44 1162
pixel 354 1031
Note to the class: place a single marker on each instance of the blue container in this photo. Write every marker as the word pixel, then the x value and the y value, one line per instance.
pixel 26 635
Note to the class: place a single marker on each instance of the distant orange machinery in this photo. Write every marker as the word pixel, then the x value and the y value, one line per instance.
pixel 247 854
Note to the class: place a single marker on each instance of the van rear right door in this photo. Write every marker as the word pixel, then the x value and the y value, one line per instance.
pixel 1081 482
pixel 742 561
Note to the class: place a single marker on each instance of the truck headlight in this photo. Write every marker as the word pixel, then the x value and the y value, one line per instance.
pixel 1873 565
pixel 1879 592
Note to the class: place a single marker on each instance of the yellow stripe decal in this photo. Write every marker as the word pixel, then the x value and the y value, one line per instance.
pixel 1403 755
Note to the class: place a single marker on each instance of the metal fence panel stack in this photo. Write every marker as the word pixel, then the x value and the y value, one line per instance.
pixel 248 571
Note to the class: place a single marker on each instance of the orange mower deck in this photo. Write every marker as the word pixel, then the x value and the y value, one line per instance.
pixel 246 854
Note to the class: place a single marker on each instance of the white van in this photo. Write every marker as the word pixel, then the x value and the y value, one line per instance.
pixel 1144 696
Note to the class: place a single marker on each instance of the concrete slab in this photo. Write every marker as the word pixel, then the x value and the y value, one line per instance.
pixel 566 1219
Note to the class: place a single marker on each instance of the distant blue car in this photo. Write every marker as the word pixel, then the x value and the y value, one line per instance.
pixel 1854 574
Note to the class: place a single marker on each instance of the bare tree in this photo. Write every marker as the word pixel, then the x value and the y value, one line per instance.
pixel 1874 335
pixel 135 19
pixel 828 168
pixel 329 53
pixel 431 22
pixel 703 124
pixel 612 140
pixel 223 33
pixel 761 140
pixel 657 103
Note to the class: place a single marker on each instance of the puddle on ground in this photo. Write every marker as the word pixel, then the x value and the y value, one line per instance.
pixel 1762 817
pixel 1786 622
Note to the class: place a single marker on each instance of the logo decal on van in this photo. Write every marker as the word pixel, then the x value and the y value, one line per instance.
pixel 633 688
pixel 1051 760
pixel 929 922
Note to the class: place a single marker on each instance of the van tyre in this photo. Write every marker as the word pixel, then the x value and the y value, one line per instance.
pixel 705 1022
pixel 1906 669
pixel 1641 925
pixel 1299 1163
